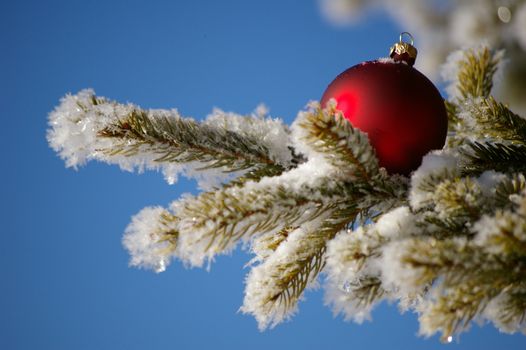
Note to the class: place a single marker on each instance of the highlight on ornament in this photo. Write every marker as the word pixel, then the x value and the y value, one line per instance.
pixel 382 192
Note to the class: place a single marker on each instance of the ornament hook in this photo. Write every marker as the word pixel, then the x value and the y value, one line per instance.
pixel 408 35
pixel 404 51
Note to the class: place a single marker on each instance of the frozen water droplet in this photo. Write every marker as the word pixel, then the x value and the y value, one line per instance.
pixel 449 339
pixel 161 266
pixel 347 287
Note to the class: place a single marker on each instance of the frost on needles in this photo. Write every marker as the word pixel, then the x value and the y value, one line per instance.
pixel 448 243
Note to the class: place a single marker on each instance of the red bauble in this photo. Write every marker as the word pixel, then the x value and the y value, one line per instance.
pixel 397 106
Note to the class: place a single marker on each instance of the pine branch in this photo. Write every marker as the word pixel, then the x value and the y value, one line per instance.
pixel 328 133
pixel 264 245
pixel 452 312
pixel 183 141
pixel 466 279
pixel 504 233
pixel 354 285
pixel 436 168
pixel 467 275
pixel 214 222
pixel 510 186
pixel 454 308
pixel 87 127
pixel 459 200
pixel 255 174
pixel 458 253
pixel 494 120
pixel 151 238
pixel 481 156
pixel 443 227
pixel 476 70
pixel 366 291
pixel 275 286
pixel 508 310
pixel 354 264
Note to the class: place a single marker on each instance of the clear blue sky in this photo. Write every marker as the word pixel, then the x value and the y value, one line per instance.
pixel 65 283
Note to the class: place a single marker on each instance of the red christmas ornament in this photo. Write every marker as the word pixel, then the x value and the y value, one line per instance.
pixel 397 106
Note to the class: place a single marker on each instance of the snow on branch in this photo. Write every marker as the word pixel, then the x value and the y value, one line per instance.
pixel 85 127
pixel 498 156
pixel 468 279
pixel 357 279
pixel 274 287
pixel 328 134
pixel 470 72
pixel 487 118
pixel 214 222
pixel 151 238
pixel 448 243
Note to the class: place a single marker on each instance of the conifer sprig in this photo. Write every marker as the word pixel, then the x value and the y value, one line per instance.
pixel 86 127
pixel 151 238
pixel 496 121
pixel 475 72
pixel 448 243
pixel 275 286
pixel 214 222
pixel 346 148
pixel 183 140
pixel 480 156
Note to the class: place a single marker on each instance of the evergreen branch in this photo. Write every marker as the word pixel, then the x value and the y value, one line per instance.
pixel 458 261
pixel 351 251
pixel 513 185
pixel 494 120
pixel 425 259
pixel 255 174
pixel 444 227
pixel 475 74
pixel 275 286
pixel 453 311
pixel 504 233
pixel 214 222
pixel 508 310
pixel 466 278
pixel 151 238
pixel 264 245
pixel 366 291
pixel 459 252
pixel 436 168
pixel 352 257
pixel 354 267
pixel 183 141
pixel 87 127
pixel 328 133
pixel 460 200
pixel 497 156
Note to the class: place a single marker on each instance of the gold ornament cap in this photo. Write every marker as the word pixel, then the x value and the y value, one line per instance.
pixel 403 50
